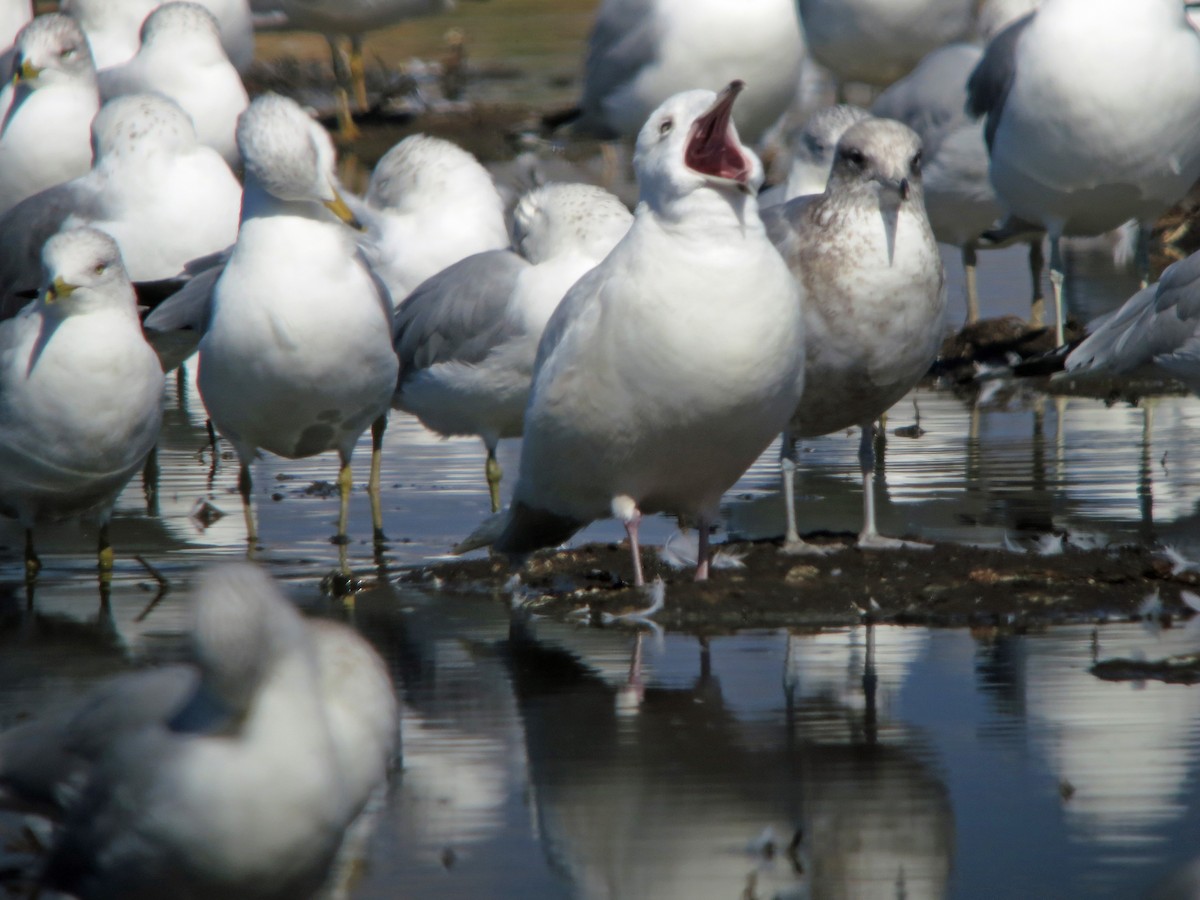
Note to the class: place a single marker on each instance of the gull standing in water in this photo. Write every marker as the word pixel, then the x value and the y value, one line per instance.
pixel 667 369
pixel 181 57
pixel 297 358
pixel 875 297
pixel 1092 109
pixel 467 338
pixel 80 391
pixel 47 108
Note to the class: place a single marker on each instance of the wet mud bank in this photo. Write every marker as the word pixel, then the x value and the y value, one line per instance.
pixel 945 585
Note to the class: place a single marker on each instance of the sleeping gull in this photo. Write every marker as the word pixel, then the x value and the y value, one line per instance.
pixel 80 391
pixel 875 297
pixel 297 358
pixel 467 338
pixel 48 106
pixel 1051 92
pixel 640 53
pixel 877 41
pixel 667 369
pixel 181 57
pixel 959 197
pixel 811 150
pixel 165 199
pixel 247 787
pixel 429 204
pixel 113 26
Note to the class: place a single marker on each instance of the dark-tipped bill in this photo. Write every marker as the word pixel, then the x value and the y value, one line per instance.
pixel 712 149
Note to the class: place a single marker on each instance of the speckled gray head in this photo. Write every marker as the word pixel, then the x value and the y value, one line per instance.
pixel 82 269
pixel 52 50
pixel 558 218
pixel 177 25
pixel 289 155
pixel 690 142
pixel 880 156
pixel 139 124
pixel 420 168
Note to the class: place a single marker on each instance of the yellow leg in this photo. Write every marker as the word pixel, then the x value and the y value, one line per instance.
pixel 345 483
pixel 33 565
pixel 358 73
pixel 347 130
pixel 245 485
pixel 104 550
pixel 377 429
pixel 494 474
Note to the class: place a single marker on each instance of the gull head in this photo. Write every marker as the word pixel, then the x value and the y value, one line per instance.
pixel 52 50
pixel 814 144
pixel 690 143
pixel 138 125
pixel 186 28
pixel 82 270
pixel 241 627
pixel 879 156
pixel 555 219
pixel 289 155
pixel 422 170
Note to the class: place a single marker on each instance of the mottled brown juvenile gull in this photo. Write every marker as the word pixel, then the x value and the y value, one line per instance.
pixel 467 338
pixel 668 368
pixel 875 297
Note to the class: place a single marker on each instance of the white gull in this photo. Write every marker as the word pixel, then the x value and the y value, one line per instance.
pixel 811 149
pixel 874 296
pixel 467 338
pixel 668 368
pixel 1090 126
pixel 47 108
pixel 80 391
pixel 181 57
pixel 297 358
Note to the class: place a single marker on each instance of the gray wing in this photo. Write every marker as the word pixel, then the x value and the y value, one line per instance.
pixel 460 314
pixel 23 231
pixel 176 325
pixel 989 84
pixel 931 98
pixel 1179 288
pixel 624 39
pixel 786 223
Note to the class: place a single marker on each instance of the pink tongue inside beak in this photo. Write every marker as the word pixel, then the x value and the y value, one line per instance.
pixel 712 149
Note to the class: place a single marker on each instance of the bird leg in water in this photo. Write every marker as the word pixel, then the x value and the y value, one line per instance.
pixel 968 261
pixel 358 72
pixel 793 544
pixel 347 130
pixel 625 509
pixel 1037 303
pixel 104 550
pixel 703 553
pixel 377 429
pixel 345 482
pixel 870 538
pixel 1057 276
pixel 494 474
pixel 245 485
pixel 33 565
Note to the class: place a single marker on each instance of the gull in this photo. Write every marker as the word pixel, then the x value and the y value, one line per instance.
pixel 181 57
pixel 959 197
pixel 429 204
pixel 640 53
pixel 80 391
pixel 467 338
pixel 876 42
pixel 811 148
pixel 667 369
pixel 246 788
pixel 113 27
pixel 165 199
pixel 47 109
pixel 14 14
pixel 875 297
pixel 1090 126
pixel 297 358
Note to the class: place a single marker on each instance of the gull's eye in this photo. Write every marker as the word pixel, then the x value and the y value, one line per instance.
pixel 855 157
pixel 99 269
pixel 665 126
pixel 915 165
pixel 67 54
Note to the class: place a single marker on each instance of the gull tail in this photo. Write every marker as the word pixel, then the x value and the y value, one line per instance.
pixel 520 529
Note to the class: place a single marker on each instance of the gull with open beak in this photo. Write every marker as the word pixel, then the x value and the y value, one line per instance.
pixel 297 358
pixel 46 109
pixel 668 368
pixel 875 296
pixel 80 391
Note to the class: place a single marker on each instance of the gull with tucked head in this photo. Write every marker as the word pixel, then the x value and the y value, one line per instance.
pixel 875 296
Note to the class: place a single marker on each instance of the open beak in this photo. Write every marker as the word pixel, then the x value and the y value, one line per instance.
pixel 58 290
pixel 712 148
pixel 338 207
